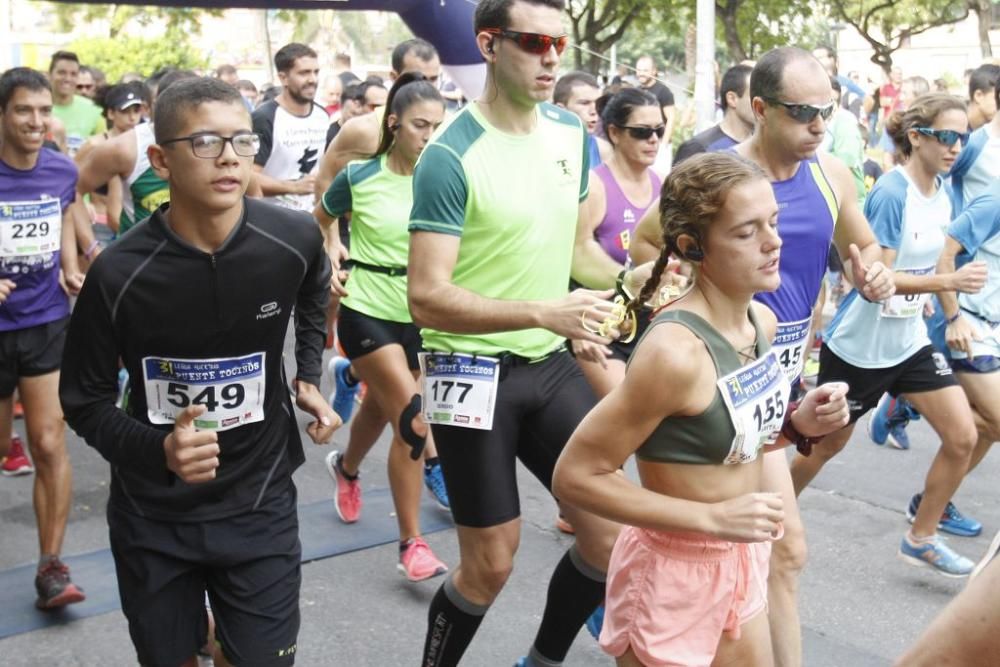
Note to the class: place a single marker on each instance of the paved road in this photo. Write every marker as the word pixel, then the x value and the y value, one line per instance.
pixel 860 605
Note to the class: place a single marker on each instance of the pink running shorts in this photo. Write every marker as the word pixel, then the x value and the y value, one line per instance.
pixel 670 596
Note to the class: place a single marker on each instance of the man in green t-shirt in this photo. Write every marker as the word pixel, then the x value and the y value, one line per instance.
pixel 81 117
pixel 495 206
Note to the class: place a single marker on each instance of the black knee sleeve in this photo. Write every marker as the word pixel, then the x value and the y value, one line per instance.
pixel 406 432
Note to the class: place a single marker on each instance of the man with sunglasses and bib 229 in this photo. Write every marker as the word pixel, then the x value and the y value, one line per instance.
pixel 496 201
pixel 791 99
pixel 196 303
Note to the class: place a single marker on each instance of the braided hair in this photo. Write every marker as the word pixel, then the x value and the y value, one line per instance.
pixel 692 196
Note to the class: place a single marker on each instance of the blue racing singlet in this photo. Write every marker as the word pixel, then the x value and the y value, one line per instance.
pixel 594 150
pixel 807 211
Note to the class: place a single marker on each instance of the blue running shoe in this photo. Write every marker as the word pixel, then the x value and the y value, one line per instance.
pixel 434 481
pixel 596 622
pixel 889 420
pixel 878 423
pixel 897 435
pixel 344 393
pixel 522 662
pixel 952 521
pixel 937 555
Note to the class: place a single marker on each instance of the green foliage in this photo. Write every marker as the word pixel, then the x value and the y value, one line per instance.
pixel 372 45
pixel 598 24
pixel 662 36
pixel 136 54
pixel 888 25
pixel 748 28
pixel 179 21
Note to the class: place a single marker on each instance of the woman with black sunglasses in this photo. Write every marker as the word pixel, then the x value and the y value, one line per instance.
pixel 621 191
pixel 884 347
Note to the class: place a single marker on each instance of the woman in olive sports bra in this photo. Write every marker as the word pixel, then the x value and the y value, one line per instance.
pixel 688 576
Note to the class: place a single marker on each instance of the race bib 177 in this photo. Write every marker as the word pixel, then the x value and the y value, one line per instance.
pixel 459 389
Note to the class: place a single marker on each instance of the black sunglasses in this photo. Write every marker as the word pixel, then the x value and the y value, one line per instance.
pixel 946 137
pixel 805 113
pixel 643 133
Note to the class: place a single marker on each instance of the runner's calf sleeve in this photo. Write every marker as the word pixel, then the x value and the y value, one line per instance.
pixel 406 432
pixel 452 622
pixel 575 591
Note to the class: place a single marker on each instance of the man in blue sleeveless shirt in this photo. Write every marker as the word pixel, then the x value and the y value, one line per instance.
pixel 791 101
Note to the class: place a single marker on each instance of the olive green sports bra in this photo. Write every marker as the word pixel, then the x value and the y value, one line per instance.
pixel 705 438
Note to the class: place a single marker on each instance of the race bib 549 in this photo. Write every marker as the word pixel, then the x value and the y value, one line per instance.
pixel 232 390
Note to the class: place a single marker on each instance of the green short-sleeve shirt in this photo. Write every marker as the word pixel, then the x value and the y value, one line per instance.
pixel 379 201
pixel 82 119
pixel 514 202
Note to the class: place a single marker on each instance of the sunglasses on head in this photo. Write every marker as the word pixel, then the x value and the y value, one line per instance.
pixel 643 133
pixel 805 113
pixel 946 137
pixel 532 42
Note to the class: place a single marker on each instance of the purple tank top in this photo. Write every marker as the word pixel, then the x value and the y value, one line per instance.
pixel 806 216
pixel 32 203
pixel 620 215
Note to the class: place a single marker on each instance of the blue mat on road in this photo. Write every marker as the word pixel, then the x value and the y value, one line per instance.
pixel 321 532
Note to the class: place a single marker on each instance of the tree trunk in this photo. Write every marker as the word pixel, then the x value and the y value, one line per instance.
pixel 577 53
pixel 983 10
pixel 733 42
pixel 883 58
pixel 690 49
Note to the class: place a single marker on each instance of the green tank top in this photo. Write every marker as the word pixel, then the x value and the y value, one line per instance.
pixel 705 438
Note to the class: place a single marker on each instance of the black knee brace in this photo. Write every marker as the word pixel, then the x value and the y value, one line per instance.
pixel 406 432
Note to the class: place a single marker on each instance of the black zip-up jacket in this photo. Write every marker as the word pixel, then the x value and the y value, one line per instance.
pixel 152 294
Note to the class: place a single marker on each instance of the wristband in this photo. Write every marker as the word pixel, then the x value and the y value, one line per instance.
pixel 803 443
pixel 951 320
pixel 620 288
pixel 89 252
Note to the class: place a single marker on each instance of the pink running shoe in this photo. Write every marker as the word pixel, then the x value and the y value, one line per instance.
pixel 417 562
pixel 17 462
pixel 346 492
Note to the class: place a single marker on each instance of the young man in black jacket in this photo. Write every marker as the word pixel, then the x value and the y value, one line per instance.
pixel 196 302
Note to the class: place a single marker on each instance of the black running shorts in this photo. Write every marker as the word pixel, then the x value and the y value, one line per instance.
pixel 538 407
pixel 30 352
pixel 249 564
pixel 926 370
pixel 360 334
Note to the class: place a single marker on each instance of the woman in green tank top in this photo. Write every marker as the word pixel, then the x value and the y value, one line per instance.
pixel 688 576
pixel 374 324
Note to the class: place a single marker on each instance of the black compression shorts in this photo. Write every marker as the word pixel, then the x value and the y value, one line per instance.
pixel 538 407
pixel 360 334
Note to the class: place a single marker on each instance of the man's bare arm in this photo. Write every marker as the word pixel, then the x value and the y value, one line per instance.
pixel 114 157
pixel 436 302
pixel 358 139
